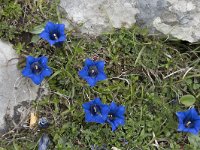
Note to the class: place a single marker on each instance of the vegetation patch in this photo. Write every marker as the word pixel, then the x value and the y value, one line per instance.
pixel 150 76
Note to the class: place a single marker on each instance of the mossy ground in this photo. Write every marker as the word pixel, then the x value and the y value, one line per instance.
pixel 146 74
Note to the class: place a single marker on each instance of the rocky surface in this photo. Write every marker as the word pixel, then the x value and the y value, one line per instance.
pixel 14 89
pixel 179 18
pixel 101 15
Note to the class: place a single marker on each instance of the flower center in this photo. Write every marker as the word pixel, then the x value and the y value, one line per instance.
pixel 93 71
pixel 54 35
pixel 95 110
pixel 189 124
pixel 36 68
pixel 43 122
pixel 111 117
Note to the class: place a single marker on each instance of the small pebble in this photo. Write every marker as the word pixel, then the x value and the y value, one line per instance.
pixel 44 142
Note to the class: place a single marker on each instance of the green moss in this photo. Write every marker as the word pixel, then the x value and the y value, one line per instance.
pixel 19 17
pixel 11 11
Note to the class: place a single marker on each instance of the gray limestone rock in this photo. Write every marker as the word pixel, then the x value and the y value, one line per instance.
pixel 179 18
pixel 97 16
pixel 182 20
pixel 14 89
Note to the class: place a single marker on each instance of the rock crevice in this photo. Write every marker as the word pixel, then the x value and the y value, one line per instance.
pixel 14 89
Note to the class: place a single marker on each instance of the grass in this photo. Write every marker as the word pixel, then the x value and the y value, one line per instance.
pixel 146 74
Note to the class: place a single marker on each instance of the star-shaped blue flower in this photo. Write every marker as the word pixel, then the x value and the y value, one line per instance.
pixel 93 71
pixel 189 121
pixel 116 115
pixel 36 69
pixel 53 33
pixel 95 111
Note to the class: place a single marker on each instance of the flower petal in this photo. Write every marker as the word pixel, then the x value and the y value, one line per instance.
pixel 112 125
pixel 83 73
pixel 181 116
pixel 97 101
pixel 89 62
pixel 100 65
pixel 197 123
pixel 105 111
pixel 87 105
pixel 193 131
pixel 50 26
pixel 98 119
pixel 62 38
pixel 52 42
pixel 26 71
pixel 61 28
pixel 113 106
pixel 45 35
pixel 30 60
pixel 119 121
pixel 181 127
pixel 88 117
pixel 101 76
pixel 43 61
pixel 121 110
pixel 46 72
pixel 194 113
pixel 37 79
pixel 94 118
pixel 91 81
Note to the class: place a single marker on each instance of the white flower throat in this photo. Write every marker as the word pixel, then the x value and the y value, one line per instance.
pixel 55 36
pixel 93 71
pixel 188 123
pixel 36 67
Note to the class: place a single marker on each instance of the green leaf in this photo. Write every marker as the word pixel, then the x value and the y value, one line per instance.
pixel 35 38
pixel 187 100
pixel 37 29
pixel 194 141
pixel 55 74
pixel 19 47
pixel 16 146
pixel 139 55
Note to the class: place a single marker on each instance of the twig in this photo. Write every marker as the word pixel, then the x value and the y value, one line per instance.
pixel 181 70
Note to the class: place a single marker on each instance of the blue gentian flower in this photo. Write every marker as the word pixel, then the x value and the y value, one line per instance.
pixel 116 116
pixel 93 71
pixel 36 69
pixel 95 111
pixel 43 122
pixel 53 33
pixel 189 121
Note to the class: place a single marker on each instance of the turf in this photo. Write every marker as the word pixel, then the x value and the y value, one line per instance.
pixel 146 73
